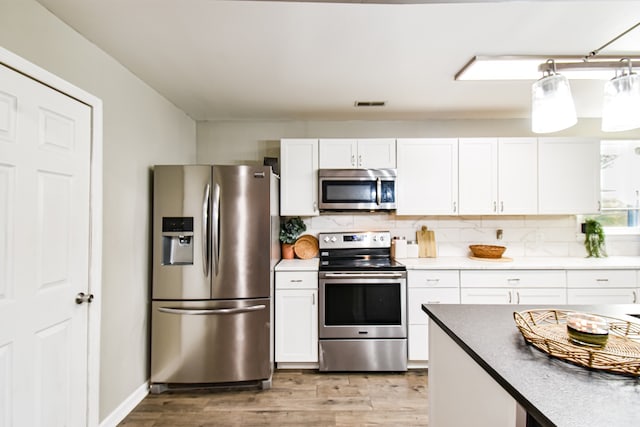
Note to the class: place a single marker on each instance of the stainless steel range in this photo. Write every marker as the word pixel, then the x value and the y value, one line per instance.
pixel 362 302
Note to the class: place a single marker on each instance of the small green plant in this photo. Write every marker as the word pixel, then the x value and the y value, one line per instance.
pixel 594 239
pixel 291 229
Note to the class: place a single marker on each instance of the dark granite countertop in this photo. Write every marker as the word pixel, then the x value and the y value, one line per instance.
pixel 554 392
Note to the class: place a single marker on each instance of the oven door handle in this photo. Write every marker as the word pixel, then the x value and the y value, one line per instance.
pixel 363 275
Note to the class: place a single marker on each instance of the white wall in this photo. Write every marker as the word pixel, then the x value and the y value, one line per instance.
pixel 141 128
pixel 241 141
pixel 237 142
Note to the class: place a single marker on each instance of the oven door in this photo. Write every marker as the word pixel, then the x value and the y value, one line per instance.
pixel 362 305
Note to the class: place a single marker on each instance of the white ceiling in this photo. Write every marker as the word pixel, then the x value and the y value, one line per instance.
pixel 251 60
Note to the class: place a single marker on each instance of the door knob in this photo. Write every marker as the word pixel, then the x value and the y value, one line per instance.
pixel 81 297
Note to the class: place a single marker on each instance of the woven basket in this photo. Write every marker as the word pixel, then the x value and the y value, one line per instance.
pixel 306 247
pixel 547 330
pixel 487 251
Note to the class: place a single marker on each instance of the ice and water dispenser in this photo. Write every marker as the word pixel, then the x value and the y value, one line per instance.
pixel 177 240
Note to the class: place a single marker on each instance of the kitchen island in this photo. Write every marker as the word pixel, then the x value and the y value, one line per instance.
pixel 483 373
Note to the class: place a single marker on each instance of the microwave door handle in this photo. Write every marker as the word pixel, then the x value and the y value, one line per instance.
pixel 378 191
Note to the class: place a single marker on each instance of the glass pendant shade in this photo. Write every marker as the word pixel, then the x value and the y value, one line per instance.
pixel 552 107
pixel 621 106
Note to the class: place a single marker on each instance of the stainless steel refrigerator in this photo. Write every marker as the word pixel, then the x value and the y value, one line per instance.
pixel 215 244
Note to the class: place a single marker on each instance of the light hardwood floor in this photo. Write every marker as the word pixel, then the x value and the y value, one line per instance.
pixel 297 398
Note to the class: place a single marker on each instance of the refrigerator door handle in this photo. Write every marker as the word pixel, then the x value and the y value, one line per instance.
pixel 205 230
pixel 199 311
pixel 215 228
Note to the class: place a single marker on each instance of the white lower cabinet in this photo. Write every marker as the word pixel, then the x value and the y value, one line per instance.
pixel 427 287
pixel 513 296
pixel 602 296
pixel 602 286
pixel 513 287
pixel 296 317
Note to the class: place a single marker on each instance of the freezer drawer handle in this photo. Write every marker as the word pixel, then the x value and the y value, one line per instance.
pixel 197 311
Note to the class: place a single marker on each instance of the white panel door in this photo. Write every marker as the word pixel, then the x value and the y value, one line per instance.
pixel 377 153
pixel 296 329
pixel 568 176
pixel 338 153
pixel 299 177
pixel 427 176
pixel 45 140
pixel 478 175
pixel 518 176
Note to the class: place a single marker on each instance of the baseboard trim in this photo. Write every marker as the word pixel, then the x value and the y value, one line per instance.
pixel 121 412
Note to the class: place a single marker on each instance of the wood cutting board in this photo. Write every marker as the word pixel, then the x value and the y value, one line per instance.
pixel 426 243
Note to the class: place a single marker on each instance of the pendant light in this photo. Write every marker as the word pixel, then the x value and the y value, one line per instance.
pixel 621 105
pixel 552 107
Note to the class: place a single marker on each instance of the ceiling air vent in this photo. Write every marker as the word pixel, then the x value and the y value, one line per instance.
pixel 370 103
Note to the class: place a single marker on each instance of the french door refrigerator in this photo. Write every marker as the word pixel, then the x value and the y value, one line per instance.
pixel 215 244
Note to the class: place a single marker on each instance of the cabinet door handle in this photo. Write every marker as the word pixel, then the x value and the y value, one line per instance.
pixel 353 160
pixel 315 206
pixel 509 297
pixel 517 297
pixel 501 206
pixel 635 297
pixel 495 206
pixel 360 160
pixel 296 280
pixel 433 302
pixel 602 280
pixel 313 299
pixel 436 281
pixel 514 281
pixel 455 208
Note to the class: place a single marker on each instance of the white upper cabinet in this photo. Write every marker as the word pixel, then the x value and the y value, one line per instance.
pixel 427 182
pixel 517 176
pixel 498 176
pixel 478 174
pixel 377 153
pixel 568 176
pixel 299 177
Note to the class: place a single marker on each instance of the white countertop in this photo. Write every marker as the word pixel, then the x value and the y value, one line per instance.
pixel 298 264
pixel 464 263
pixel 522 263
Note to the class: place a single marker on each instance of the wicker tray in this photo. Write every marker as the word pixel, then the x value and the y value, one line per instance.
pixel 547 330
pixel 306 247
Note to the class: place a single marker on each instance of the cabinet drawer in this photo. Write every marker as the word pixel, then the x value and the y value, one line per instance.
pixel 297 280
pixel 419 296
pixel 433 278
pixel 601 278
pixel 602 296
pixel 513 278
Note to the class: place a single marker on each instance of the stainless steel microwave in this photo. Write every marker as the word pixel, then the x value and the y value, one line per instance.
pixel 357 189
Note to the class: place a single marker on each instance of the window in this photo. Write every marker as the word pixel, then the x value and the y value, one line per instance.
pixel 620 186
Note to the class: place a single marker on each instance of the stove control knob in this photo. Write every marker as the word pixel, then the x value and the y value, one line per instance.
pixel 382 238
pixel 326 239
pixel 333 239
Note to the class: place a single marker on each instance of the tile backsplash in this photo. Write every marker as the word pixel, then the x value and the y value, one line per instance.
pixel 524 236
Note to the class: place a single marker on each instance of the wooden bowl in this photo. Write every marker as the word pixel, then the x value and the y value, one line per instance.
pixel 487 251
pixel 306 247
